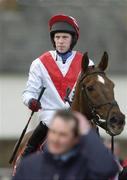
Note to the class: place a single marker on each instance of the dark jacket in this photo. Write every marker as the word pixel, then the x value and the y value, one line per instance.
pixel 91 161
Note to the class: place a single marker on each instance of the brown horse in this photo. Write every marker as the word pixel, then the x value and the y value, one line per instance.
pixel 94 97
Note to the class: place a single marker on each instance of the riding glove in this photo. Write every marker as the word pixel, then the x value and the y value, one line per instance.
pixel 34 105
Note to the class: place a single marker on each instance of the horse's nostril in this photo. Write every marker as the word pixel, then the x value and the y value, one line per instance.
pixel 113 120
pixel 117 120
pixel 116 124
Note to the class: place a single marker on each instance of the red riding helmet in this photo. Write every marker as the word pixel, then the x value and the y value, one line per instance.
pixel 63 23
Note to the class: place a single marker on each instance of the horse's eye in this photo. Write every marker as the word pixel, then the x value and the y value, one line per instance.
pixel 90 88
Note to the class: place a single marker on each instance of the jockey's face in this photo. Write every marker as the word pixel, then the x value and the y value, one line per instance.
pixel 62 42
pixel 61 137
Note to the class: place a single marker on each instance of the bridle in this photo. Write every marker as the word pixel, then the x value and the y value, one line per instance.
pixel 96 117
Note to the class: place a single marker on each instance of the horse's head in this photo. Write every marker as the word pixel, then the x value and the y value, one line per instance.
pixel 95 97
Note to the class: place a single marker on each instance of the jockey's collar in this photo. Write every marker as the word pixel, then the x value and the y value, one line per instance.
pixel 64 56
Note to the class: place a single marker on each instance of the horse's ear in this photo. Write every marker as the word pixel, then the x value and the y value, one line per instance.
pixel 104 62
pixel 85 62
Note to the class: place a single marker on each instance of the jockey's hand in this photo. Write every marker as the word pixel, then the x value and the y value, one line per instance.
pixel 34 105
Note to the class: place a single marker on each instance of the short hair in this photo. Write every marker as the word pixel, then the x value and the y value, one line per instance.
pixel 68 115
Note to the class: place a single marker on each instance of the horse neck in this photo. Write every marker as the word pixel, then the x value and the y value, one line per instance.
pixel 75 106
pixel 79 104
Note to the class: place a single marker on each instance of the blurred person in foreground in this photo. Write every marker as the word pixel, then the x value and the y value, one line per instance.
pixel 73 151
pixel 56 70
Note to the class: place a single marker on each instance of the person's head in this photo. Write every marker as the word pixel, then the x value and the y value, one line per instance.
pixel 64 32
pixel 63 132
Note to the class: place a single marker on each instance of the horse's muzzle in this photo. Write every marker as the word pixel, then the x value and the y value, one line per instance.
pixel 115 123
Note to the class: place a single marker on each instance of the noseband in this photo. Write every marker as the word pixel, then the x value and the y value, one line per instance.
pixel 94 108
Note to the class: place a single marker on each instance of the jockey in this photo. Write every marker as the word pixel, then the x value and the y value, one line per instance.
pixel 56 70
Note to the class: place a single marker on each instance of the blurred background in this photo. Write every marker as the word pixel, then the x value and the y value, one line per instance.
pixel 24 36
